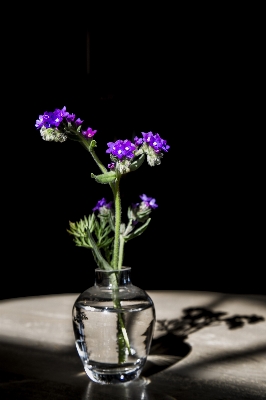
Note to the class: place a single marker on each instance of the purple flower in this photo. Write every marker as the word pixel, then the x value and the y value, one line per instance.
pixel 102 203
pixel 121 149
pixel 148 201
pixel 155 141
pixel 89 132
pixel 78 122
pixel 51 119
pixel 138 141
pixel 70 117
pixel 63 113
pixel 55 118
pixel 40 122
pixel 111 166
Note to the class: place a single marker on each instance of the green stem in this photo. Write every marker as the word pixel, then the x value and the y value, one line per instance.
pixel 121 324
pixel 86 144
pixel 105 265
pixel 118 249
pixel 117 202
pixel 121 252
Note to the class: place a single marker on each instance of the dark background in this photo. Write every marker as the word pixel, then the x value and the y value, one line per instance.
pixel 191 76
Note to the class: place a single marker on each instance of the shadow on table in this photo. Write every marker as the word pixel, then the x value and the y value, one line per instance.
pixel 137 389
pixel 171 347
pixel 37 372
pixel 32 372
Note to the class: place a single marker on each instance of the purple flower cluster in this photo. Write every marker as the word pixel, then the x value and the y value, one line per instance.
pixel 154 140
pixel 54 118
pixel 102 203
pixel 121 149
pixel 148 201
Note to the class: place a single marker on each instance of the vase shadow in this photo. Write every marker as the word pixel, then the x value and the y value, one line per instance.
pixel 171 347
pixel 137 389
pixel 165 351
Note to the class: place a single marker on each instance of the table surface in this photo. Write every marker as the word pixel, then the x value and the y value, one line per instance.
pixel 206 345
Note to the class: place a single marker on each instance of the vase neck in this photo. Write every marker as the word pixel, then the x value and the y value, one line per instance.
pixel 114 278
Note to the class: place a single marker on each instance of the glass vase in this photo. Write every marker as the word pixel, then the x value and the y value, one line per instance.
pixel 113 324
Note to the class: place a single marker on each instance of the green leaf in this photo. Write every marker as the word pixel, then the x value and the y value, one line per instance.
pixel 86 220
pixel 138 231
pixel 137 163
pixel 108 177
pixel 114 159
pixel 106 243
pixel 101 261
pixel 106 232
pixel 112 221
pixel 92 220
pixel 129 229
pixel 130 214
pixel 93 144
pixel 122 228
pixel 142 216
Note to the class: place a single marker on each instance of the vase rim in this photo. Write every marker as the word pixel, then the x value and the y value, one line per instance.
pixel 113 270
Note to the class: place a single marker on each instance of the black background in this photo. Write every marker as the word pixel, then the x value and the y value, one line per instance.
pixel 190 75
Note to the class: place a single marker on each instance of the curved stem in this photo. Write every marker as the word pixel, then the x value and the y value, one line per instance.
pixel 86 144
pixel 102 261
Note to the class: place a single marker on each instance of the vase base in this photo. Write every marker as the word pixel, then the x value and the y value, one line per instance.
pixel 112 377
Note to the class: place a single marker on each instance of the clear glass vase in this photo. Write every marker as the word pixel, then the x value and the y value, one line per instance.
pixel 113 324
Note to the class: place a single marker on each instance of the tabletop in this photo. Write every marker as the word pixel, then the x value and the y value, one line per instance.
pixel 206 345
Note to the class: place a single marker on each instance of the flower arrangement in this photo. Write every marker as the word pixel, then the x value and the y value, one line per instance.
pixel 103 231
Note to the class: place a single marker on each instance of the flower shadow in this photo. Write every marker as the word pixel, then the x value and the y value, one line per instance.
pixel 171 347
